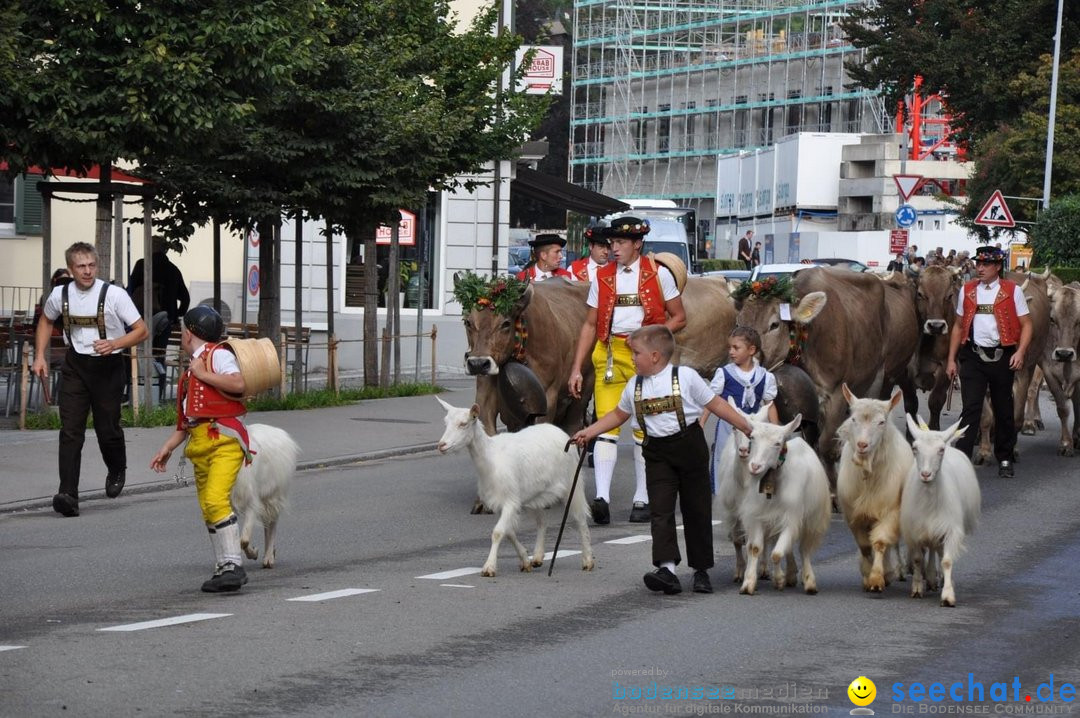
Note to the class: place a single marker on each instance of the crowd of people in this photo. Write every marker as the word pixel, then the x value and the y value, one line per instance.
pixel 913 263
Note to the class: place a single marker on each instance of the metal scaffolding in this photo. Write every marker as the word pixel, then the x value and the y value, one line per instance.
pixel 661 87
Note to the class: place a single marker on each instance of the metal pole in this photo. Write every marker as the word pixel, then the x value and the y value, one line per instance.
pixel 1053 110
pixel 147 370
pixel 118 239
pixel 298 299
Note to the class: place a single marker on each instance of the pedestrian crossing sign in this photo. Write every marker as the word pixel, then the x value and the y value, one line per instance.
pixel 995 213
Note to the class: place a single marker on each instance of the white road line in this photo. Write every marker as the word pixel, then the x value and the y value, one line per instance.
pixel 11 648
pixel 334 594
pixel 640 538
pixel 175 620
pixel 562 552
pixel 457 585
pixel 456 573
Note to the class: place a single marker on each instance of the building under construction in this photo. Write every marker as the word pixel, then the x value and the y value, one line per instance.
pixel 662 87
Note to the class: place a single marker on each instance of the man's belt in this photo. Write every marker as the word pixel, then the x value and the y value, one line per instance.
pixel 988 354
pixel 984 308
pixel 627 300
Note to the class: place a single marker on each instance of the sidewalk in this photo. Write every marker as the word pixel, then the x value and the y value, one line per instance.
pixel 366 430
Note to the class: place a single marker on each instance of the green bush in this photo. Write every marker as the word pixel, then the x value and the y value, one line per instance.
pixel 1053 237
pixel 713 265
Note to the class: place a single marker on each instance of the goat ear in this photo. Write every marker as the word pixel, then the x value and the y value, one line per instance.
pixel 793 426
pixel 848 395
pixel 474 411
pixel 897 397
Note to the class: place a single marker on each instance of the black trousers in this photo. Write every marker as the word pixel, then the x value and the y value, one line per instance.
pixel 90 384
pixel 677 467
pixel 976 376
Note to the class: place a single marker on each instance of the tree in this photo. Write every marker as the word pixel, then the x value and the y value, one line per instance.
pixel 969 51
pixel 1053 238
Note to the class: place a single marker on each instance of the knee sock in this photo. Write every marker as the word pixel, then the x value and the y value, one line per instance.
pixel 641 493
pixel 605 452
pixel 228 536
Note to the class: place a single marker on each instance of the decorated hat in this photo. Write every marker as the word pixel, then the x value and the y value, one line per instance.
pixel 595 235
pixel 625 228
pixel 543 240
pixel 989 254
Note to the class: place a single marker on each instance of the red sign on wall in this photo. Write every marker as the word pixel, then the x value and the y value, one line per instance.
pixel 406 231
pixel 897 240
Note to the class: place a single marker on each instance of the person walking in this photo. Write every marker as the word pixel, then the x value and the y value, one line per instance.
pixel 755 255
pixel 584 269
pixel 629 293
pixel 744 249
pixel 96 316
pixel 988 344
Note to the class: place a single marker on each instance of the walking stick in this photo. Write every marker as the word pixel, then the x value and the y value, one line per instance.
pixel 569 498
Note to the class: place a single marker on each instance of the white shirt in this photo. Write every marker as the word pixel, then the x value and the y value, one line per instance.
pixel 984 327
pixel 695 395
pixel 628 319
pixel 747 380
pixel 222 361
pixel 120 313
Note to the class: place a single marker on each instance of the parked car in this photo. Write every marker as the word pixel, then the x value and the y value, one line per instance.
pixel 763 271
pixel 734 275
pixel 519 257
pixel 852 264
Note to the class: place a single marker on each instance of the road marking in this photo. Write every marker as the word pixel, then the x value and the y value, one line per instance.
pixel 334 594
pixel 175 620
pixel 457 585
pixel 10 648
pixel 457 572
pixel 563 552
pixel 631 539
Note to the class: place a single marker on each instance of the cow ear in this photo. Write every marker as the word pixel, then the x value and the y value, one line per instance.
pixel 809 307
pixel 523 302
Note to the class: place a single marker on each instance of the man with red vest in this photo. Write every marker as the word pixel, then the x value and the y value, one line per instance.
pixel 629 293
pixel 546 259
pixel 584 269
pixel 989 340
pixel 208 418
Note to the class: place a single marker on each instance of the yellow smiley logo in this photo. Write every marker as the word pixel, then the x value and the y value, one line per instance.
pixel 862 691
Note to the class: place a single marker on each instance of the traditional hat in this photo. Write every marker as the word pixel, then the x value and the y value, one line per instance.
pixel 989 254
pixel 204 322
pixel 626 228
pixel 595 235
pixel 543 240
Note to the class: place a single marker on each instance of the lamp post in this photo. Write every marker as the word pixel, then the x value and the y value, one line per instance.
pixel 1053 110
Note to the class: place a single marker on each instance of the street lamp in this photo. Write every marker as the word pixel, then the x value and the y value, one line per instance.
pixel 1053 110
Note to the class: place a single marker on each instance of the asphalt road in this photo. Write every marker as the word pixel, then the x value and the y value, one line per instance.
pixel 573 644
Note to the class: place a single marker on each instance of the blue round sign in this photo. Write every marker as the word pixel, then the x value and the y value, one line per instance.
pixel 906 215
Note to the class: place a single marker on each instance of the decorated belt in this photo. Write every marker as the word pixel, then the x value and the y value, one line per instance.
pixel 627 300
pixel 658 405
pixel 984 308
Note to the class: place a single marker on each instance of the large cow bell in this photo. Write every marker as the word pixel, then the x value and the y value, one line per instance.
pixel 796 394
pixel 522 399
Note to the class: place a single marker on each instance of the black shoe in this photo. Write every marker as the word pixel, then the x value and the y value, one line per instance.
pixel 663 580
pixel 65 504
pixel 227 577
pixel 114 484
pixel 601 514
pixel 701 582
pixel 640 513
pixel 1005 470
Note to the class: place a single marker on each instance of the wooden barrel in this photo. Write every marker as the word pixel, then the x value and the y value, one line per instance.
pixel 258 363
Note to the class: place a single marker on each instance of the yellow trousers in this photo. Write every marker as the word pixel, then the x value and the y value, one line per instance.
pixel 606 395
pixel 216 463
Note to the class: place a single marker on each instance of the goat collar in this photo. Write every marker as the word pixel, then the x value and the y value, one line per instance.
pixel 767 483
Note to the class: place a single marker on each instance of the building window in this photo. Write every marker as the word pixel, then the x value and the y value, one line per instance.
pixel 690 126
pixel 663 130
pixel 7 201
pixel 639 130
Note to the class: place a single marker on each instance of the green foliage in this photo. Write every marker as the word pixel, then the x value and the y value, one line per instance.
pixel 713 265
pixel 499 294
pixel 779 287
pixel 1054 236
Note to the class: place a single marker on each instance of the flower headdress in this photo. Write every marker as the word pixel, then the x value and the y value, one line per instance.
pixel 773 286
pixel 499 294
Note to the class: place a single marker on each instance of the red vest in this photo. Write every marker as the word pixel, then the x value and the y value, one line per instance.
pixel 650 293
pixel 1008 322
pixel 579 268
pixel 529 275
pixel 204 401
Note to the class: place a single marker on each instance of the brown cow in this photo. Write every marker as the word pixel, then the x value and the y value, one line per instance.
pixel 935 303
pixel 843 316
pixel 1060 361
pixel 901 340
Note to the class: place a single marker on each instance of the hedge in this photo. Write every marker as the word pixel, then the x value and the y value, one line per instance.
pixel 713 265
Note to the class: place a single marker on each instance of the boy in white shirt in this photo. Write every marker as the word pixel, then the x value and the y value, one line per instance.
pixel 665 402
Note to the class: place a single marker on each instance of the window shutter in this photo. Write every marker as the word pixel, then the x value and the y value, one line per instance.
pixel 28 204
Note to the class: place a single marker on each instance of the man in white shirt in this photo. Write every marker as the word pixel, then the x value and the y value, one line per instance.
pixel 96 318
pixel 546 259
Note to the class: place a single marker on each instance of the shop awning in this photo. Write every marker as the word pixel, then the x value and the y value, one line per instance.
pixel 560 193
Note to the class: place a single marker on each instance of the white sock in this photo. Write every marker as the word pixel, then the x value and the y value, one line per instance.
pixel 228 533
pixel 215 542
pixel 604 455
pixel 669 565
pixel 641 493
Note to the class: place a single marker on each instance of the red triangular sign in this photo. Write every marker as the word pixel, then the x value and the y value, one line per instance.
pixel 995 213
pixel 907 184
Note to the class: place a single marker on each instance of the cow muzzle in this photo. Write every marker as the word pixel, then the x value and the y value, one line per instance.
pixel 935 327
pixel 478 366
pixel 1064 354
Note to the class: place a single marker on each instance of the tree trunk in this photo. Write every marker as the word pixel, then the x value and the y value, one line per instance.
pixel 103 226
pixel 371 307
pixel 270 282
pixel 393 304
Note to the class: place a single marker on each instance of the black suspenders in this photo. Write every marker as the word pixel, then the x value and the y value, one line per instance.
pixel 98 321
pixel 659 405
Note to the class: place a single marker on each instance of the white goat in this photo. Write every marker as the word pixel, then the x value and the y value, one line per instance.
pixel 798 508
pixel 941 504
pixel 874 462
pixel 261 487
pixel 527 469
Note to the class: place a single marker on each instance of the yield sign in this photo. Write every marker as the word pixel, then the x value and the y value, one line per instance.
pixel 907 184
pixel 995 213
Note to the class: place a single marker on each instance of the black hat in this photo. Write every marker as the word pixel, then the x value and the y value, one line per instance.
pixel 205 323
pixel 626 228
pixel 595 235
pixel 543 240
pixel 989 254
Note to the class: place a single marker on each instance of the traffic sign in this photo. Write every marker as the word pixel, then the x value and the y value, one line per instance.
pixel 906 215
pixel 995 213
pixel 907 184
pixel 897 240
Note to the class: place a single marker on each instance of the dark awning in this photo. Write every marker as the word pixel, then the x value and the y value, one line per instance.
pixel 560 193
